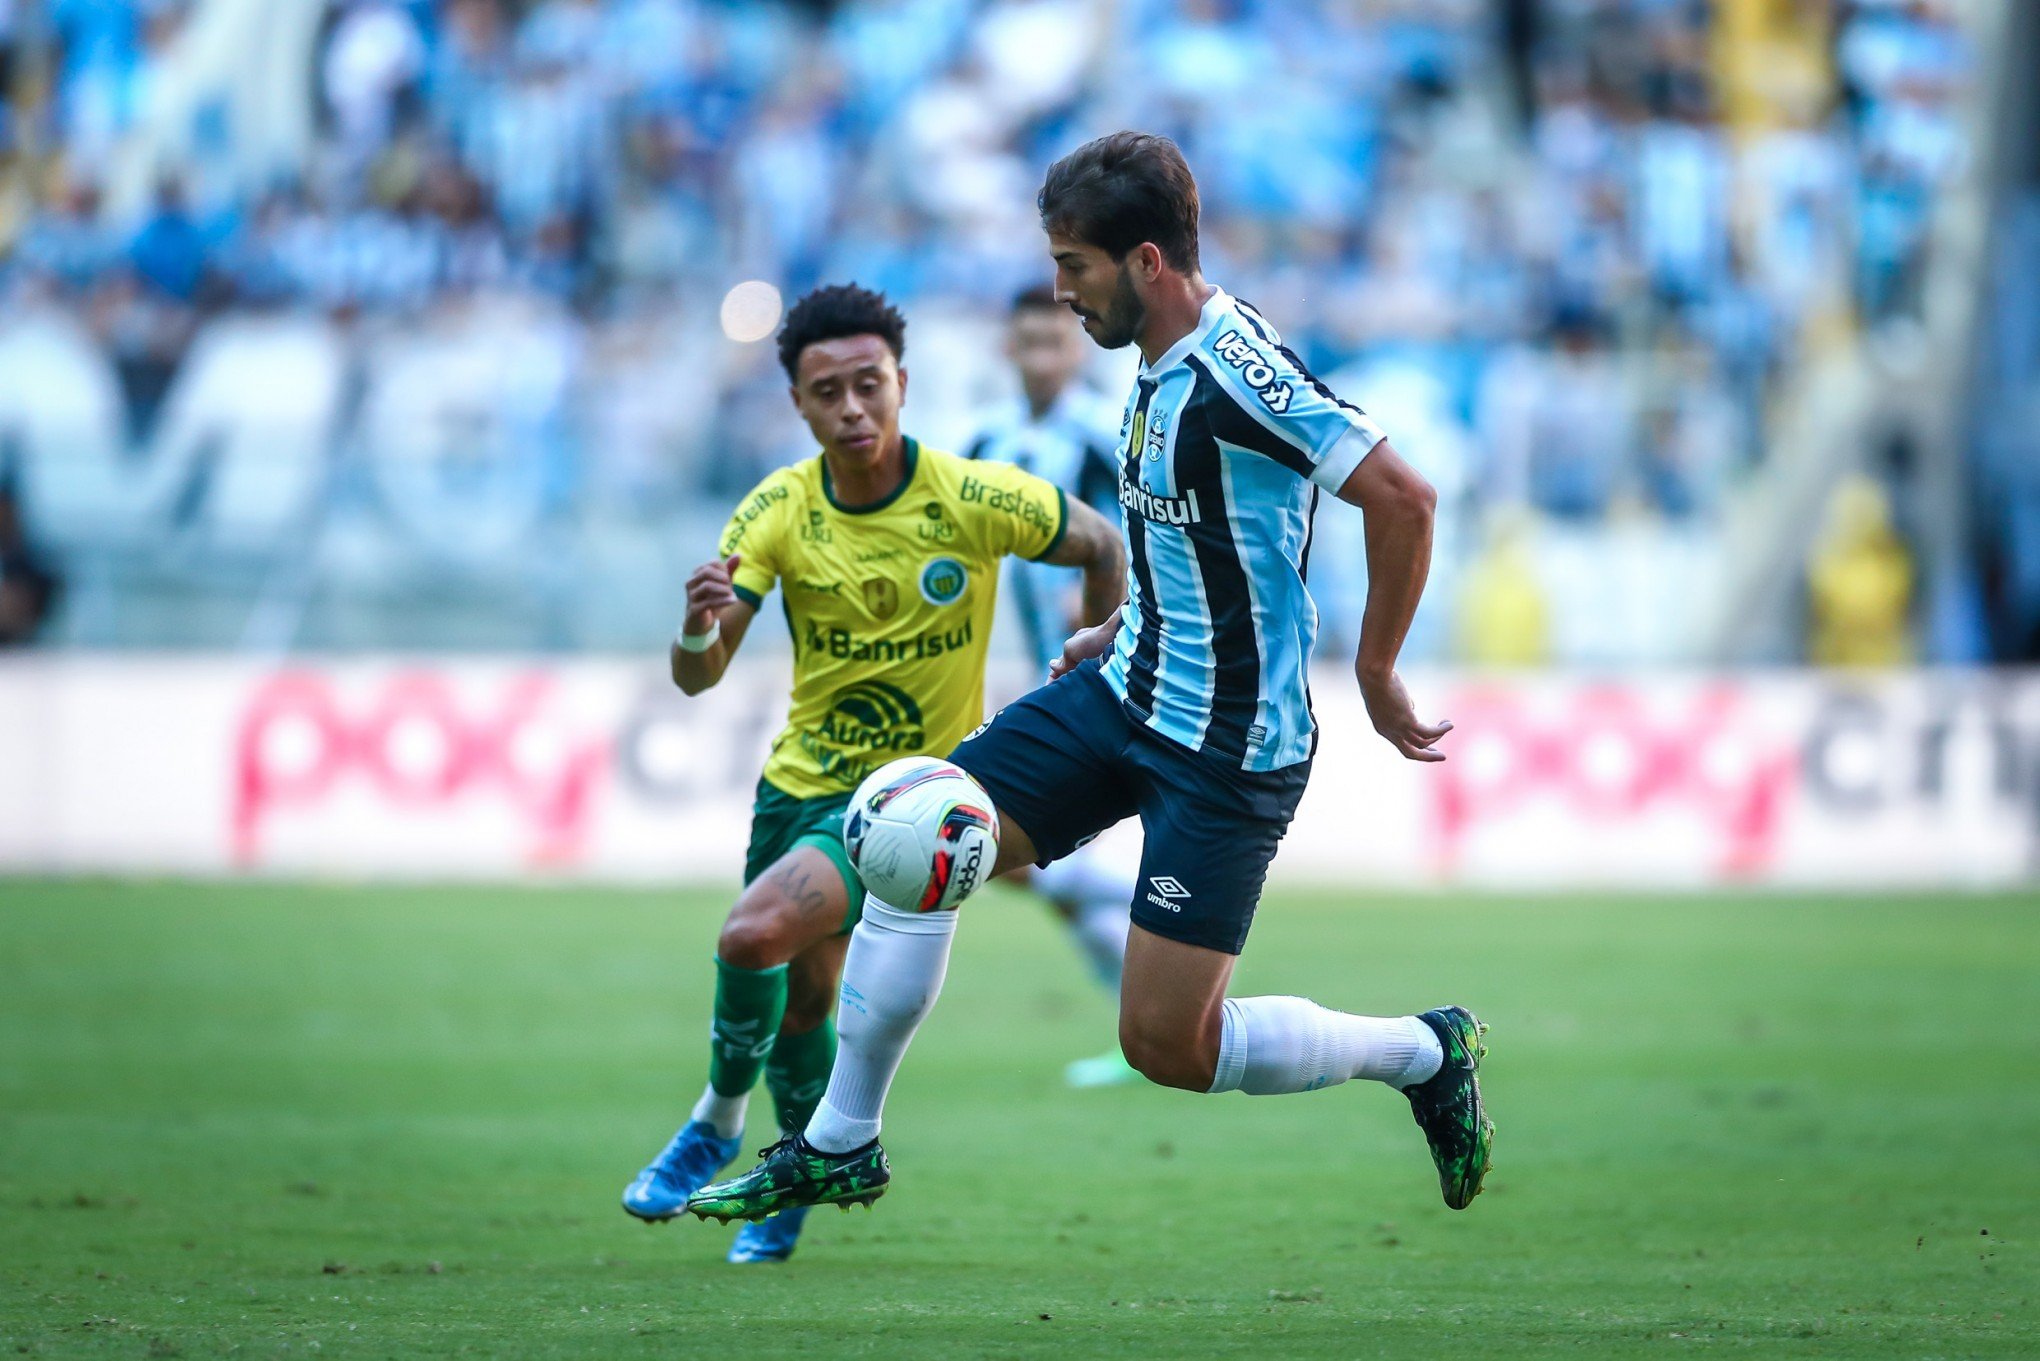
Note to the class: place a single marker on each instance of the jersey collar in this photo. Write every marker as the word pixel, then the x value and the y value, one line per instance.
pixel 911 447
pixel 1207 318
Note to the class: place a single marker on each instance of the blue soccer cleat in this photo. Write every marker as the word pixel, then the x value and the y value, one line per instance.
pixel 696 1154
pixel 769 1240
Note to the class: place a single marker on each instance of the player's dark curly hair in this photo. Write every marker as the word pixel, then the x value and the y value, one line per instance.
pixel 1123 189
pixel 835 311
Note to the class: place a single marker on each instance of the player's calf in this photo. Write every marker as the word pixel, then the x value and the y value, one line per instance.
pixel 1168 1056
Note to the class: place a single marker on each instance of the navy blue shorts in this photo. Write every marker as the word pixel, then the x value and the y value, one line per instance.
pixel 1067 761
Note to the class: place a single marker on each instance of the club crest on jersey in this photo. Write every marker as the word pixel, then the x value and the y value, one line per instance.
pixel 1157 438
pixel 943 581
pixel 881 597
pixel 1255 372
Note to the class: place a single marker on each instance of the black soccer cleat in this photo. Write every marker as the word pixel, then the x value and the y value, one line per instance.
pixel 793 1173
pixel 1448 1107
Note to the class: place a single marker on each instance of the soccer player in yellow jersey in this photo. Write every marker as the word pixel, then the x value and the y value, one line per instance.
pixel 887 554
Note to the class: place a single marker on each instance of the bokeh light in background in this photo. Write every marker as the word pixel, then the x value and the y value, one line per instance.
pixel 750 311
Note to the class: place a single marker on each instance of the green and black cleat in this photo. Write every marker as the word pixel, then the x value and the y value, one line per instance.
pixel 793 1173
pixel 1448 1106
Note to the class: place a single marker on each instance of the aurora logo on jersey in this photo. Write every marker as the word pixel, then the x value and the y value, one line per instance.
pixel 1163 510
pixel 1255 372
pixel 943 580
pixel 845 646
pixel 866 720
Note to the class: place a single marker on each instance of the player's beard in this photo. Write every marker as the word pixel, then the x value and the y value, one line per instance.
pixel 1119 325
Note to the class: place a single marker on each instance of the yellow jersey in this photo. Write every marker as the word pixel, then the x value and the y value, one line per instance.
pixel 890 605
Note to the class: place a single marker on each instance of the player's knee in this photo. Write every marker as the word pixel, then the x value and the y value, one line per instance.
pixel 757 939
pixel 1167 1058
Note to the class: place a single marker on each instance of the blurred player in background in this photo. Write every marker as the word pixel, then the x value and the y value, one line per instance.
pixel 887 555
pixel 1062 430
pixel 1189 707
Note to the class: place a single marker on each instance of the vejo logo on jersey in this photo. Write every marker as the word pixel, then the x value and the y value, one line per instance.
pixel 943 581
pixel 1256 372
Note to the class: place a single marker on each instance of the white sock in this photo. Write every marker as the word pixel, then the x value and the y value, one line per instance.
pixel 1100 931
pixel 1272 1045
pixel 891 977
pixel 726 1113
pixel 1099 896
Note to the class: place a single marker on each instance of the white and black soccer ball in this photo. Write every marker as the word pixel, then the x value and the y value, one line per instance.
pixel 922 834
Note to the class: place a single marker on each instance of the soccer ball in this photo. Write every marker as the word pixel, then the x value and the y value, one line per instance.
pixel 922 834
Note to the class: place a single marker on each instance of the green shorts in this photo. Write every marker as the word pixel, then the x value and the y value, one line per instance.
pixel 780 822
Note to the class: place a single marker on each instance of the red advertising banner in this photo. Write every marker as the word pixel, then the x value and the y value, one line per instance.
pixel 438 767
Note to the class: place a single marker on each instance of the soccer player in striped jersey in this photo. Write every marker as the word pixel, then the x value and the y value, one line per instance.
pixel 1190 708
pixel 1065 432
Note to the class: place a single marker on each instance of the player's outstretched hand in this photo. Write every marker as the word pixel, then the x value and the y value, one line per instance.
pixel 1388 704
pixel 709 591
pixel 1083 645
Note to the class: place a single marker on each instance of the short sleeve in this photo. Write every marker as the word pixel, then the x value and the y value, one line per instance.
pixel 756 530
pixel 1258 396
pixel 1015 511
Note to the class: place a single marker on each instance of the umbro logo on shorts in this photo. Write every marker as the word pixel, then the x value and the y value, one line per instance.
pixel 1164 890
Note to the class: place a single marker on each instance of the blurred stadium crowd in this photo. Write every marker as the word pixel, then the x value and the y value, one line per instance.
pixel 403 323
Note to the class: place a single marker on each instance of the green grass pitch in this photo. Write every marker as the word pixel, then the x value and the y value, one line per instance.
pixel 267 1120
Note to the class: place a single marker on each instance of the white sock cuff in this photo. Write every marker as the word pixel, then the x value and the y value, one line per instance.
pixel 725 1114
pixel 878 914
pixel 832 1131
pixel 1420 1052
pixel 1232 1049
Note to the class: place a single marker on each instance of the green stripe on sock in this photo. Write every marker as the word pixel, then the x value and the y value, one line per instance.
pixel 749 1004
pixel 797 1073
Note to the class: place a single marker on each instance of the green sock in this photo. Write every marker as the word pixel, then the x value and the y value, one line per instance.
pixel 749 1004
pixel 797 1073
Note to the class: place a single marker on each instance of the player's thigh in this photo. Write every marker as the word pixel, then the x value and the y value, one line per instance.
pixel 1049 761
pixel 811 982
pixel 800 899
pixel 1211 832
pixel 1171 1001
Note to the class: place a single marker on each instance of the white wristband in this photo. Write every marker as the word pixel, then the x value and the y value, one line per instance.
pixel 698 642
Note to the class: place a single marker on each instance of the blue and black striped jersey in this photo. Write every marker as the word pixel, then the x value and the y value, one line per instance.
pixel 1225 442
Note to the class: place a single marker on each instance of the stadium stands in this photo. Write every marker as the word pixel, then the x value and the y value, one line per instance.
pixel 400 326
